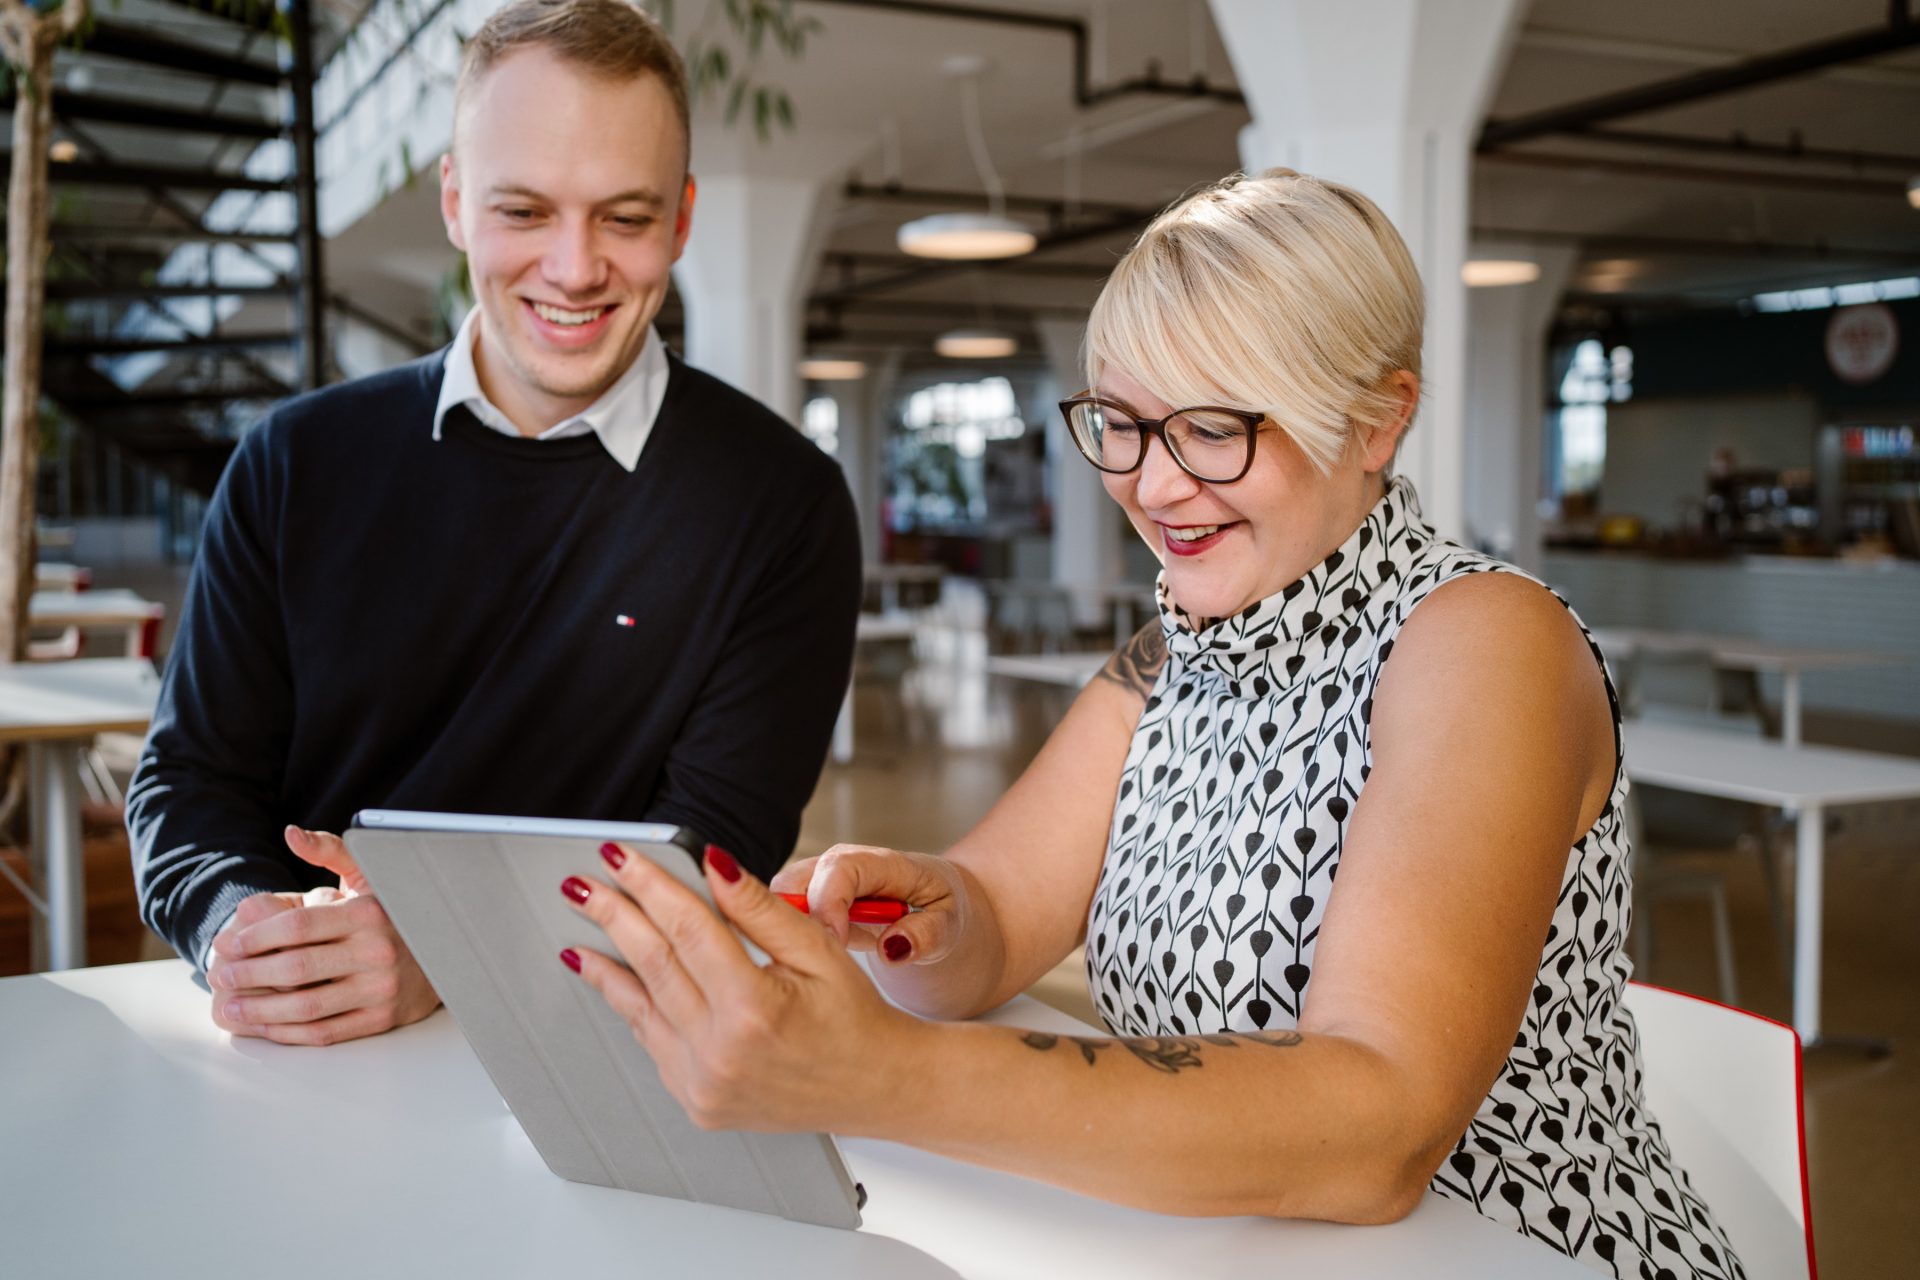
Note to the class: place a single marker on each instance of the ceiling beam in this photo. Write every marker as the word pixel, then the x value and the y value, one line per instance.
pixel 1741 146
pixel 1887 188
pixel 1622 242
pixel 1900 32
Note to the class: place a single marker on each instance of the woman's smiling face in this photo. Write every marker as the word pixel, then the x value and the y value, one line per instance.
pixel 1226 546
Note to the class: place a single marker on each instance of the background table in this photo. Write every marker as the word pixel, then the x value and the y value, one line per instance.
pixel 56 708
pixel 139 1140
pixel 1802 781
pixel 139 616
pixel 1069 670
pixel 869 628
pixel 1740 653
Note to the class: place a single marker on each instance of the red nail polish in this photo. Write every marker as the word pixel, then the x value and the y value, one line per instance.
pixel 571 959
pixel 575 888
pixel 616 856
pixel 722 861
pixel 897 947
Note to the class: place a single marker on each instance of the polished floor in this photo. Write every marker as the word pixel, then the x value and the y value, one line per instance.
pixel 934 753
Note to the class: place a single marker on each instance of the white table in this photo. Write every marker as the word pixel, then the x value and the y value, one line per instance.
pixel 56 709
pixel 869 628
pixel 888 578
pixel 139 1140
pixel 1742 653
pixel 60 575
pixel 1070 670
pixel 1802 781
pixel 116 608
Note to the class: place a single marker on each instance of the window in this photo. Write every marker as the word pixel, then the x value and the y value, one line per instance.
pixel 1595 377
pixel 939 458
pixel 820 423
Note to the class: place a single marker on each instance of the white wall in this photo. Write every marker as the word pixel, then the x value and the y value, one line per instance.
pixel 1658 450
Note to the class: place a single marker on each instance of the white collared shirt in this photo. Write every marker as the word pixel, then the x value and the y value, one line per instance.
pixel 622 417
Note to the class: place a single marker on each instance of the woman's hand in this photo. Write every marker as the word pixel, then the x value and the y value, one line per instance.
pixel 933 887
pixel 804 1043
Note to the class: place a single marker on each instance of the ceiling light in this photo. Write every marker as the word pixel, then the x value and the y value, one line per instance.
pixel 1481 273
pixel 975 344
pixel 966 236
pixel 1913 192
pixel 970 236
pixel 827 369
pixel 65 151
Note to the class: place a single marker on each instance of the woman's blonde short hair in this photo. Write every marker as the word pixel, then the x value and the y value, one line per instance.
pixel 1274 292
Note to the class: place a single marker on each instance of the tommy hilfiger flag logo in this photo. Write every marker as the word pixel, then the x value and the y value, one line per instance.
pixel 625 620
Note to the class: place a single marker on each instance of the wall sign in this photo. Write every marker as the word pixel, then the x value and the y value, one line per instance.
pixel 1861 342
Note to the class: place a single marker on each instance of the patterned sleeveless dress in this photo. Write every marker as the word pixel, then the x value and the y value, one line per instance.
pixel 1238 787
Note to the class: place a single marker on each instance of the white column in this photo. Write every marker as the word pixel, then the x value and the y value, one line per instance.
pixel 1386 96
pixel 1086 529
pixel 1506 402
pixel 761 217
pixel 863 444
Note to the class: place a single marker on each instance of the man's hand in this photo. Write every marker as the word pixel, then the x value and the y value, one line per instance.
pixel 319 967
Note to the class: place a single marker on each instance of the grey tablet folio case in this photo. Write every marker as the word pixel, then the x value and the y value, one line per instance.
pixel 479 905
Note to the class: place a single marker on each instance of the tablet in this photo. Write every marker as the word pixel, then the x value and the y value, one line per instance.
pixel 477 900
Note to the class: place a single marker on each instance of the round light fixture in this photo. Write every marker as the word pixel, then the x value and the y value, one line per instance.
pixel 65 151
pixel 975 344
pixel 1482 273
pixel 1913 192
pixel 829 369
pixel 966 237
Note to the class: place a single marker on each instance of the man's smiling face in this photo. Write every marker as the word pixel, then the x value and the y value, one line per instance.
pixel 569 194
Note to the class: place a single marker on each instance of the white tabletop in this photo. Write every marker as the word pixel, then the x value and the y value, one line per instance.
pixel 1762 771
pixel 139 1140
pixel 76 699
pixel 883 626
pixel 1743 652
pixel 98 608
pixel 1069 669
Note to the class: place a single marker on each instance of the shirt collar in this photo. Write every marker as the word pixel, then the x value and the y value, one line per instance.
pixel 622 417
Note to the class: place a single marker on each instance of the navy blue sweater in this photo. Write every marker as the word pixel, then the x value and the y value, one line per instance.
pixel 487 624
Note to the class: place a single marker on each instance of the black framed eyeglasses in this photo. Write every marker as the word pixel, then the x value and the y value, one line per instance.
pixel 1212 444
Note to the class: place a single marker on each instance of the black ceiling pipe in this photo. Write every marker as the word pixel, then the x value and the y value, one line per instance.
pixel 1899 33
pixel 1739 145
pixel 1084 93
pixel 1620 242
pixel 1054 206
pixel 1876 187
pixel 936 270
pixel 113 235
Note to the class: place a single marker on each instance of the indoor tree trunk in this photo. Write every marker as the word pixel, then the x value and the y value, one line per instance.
pixel 26 297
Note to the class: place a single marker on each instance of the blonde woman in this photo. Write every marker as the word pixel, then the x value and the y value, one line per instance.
pixel 1342 833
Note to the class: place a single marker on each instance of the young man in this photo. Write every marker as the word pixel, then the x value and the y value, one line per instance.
pixel 549 571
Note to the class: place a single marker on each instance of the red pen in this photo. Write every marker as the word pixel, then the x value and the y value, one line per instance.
pixel 863 911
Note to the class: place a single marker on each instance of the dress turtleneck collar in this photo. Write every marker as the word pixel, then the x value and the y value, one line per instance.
pixel 1268 644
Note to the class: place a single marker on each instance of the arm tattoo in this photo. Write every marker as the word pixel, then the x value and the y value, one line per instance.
pixel 1166 1054
pixel 1137 665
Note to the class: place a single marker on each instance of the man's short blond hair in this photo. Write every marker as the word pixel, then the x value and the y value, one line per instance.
pixel 1274 292
pixel 614 39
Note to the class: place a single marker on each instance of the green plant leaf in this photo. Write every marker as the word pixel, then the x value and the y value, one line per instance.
pixel 735 99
